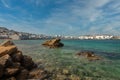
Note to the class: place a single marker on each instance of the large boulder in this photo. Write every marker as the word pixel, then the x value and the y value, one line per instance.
pixel 16 66
pixel 54 43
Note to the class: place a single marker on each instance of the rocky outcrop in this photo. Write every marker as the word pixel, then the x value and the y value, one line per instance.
pixel 16 66
pixel 7 43
pixel 54 43
pixel 89 55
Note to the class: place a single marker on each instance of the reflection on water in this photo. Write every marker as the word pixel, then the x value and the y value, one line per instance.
pixel 64 59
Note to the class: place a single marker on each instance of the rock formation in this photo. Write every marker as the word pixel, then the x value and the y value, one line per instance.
pixel 89 55
pixel 16 66
pixel 54 43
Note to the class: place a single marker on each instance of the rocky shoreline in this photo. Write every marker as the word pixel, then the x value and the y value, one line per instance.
pixel 16 66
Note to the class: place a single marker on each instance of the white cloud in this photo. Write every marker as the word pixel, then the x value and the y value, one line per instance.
pixel 77 17
pixel 5 3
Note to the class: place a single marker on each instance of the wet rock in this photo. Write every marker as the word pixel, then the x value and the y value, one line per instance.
pixel 7 50
pixel 2 51
pixel 89 55
pixel 23 75
pixel 27 62
pixel 10 71
pixel 5 60
pixel 54 43
pixel 17 57
pixel 7 43
pixel 11 49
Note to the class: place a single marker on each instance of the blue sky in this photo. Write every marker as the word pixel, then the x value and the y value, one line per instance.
pixel 65 17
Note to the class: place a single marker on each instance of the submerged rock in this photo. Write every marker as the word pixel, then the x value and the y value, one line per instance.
pixel 89 55
pixel 39 74
pixel 54 43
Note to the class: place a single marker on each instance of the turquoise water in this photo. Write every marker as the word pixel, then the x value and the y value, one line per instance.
pixel 64 58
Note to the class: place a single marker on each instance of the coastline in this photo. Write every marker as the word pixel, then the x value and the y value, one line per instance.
pixel 64 59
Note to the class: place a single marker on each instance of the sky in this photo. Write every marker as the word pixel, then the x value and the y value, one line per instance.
pixel 61 17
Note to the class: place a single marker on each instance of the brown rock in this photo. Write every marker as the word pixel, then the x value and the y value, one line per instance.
pixel 11 49
pixel 5 60
pixel 7 43
pixel 10 71
pixel 17 57
pixel 89 55
pixel 2 51
pixel 54 43
pixel 7 50
pixel 27 62
pixel 23 75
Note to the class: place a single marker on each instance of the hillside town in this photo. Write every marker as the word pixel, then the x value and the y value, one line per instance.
pixel 15 35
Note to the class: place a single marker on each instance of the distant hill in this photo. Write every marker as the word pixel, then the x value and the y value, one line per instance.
pixel 7 31
pixel 11 34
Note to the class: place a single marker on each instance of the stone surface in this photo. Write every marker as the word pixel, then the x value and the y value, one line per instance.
pixel 2 51
pixel 27 62
pixel 11 49
pixel 17 57
pixel 54 43
pixel 7 50
pixel 23 75
pixel 5 60
pixel 7 43
pixel 11 71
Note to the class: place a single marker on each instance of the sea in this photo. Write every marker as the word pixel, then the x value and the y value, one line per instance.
pixel 65 58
